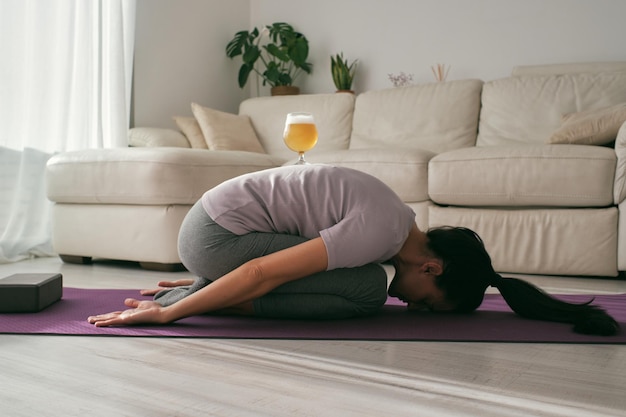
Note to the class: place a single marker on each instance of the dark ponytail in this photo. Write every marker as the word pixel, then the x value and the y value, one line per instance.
pixel 531 302
pixel 467 272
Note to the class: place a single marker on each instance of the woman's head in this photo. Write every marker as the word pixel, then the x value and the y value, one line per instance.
pixel 446 269
pixel 466 266
pixel 461 271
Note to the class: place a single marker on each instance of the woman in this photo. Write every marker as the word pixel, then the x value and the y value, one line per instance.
pixel 307 242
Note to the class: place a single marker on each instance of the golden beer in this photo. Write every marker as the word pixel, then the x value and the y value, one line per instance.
pixel 300 134
pixel 300 137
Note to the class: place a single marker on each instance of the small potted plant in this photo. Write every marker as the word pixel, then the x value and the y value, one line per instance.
pixel 283 56
pixel 342 72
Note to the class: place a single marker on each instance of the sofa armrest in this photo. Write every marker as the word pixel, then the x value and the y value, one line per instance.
pixel 154 136
pixel 619 187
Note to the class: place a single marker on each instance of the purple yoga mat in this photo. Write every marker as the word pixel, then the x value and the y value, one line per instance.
pixel 493 322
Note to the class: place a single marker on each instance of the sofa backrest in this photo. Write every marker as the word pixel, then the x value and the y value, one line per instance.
pixel 437 116
pixel 570 68
pixel 332 113
pixel 529 109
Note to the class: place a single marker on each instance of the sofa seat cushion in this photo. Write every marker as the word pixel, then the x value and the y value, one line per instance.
pixel 145 176
pixel 533 175
pixel 405 171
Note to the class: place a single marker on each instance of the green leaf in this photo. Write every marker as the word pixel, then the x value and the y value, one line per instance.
pixel 236 45
pixel 272 73
pixel 244 72
pixel 299 51
pixel 307 67
pixel 284 79
pixel 281 31
pixel 251 54
pixel 277 52
pixel 242 40
pixel 342 73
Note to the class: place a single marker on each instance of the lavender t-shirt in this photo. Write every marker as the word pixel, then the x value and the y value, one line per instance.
pixel 359 218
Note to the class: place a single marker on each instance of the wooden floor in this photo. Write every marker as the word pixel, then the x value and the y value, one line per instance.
pixel 101 376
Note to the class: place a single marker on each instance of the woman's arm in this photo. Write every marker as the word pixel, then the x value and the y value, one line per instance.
pixel 246 283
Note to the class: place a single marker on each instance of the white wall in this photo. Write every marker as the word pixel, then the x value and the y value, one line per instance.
pixel 180 44
pixel 481 39
pixel 180 57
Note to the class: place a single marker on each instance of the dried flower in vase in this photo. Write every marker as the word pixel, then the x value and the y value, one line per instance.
pixel 400 80
pixel 440 71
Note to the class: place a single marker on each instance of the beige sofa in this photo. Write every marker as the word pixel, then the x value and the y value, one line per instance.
pixel 465 152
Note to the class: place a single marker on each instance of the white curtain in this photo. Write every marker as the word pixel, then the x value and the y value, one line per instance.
pixel 65 84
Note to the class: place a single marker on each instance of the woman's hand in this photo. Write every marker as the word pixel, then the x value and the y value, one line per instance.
pixel 167 284
pixel 142 312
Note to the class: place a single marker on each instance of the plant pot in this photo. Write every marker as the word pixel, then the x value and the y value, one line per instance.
pixel 285 90
pixel 345 91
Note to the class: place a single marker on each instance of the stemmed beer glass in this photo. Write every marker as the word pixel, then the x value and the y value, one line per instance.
pixel 300 134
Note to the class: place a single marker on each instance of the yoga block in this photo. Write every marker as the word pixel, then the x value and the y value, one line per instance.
pixel 29 293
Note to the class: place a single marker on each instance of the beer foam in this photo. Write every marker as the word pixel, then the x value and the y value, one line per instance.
pixel 300 118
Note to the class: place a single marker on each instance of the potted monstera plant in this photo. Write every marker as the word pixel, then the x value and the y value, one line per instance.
pixel 280 52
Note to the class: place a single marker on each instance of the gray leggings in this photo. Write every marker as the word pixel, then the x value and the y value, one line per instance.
pixel 209 251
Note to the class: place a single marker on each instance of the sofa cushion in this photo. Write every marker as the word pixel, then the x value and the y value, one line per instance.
pixel 191 129
pixel 552 241
pixel 226 132
pixel 146 233
pixel 591 127
pixel 527 110
pixel 436 116
pixel 514 176
pixel 405 171
pixel 619 188
pixel 332 113
pixel 145 176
